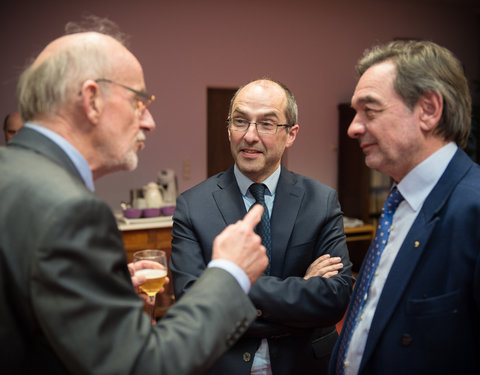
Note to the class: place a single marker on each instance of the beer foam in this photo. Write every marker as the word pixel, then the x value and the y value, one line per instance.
pixel 150 273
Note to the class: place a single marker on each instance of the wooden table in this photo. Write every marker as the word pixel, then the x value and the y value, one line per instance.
pixel 141 235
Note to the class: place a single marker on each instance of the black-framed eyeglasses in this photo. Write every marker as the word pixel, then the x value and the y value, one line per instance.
pixel 144 99
pixel 240 124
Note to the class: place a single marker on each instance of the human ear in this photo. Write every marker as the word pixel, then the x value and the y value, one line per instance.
pixel 292 134
pixel 92 101
pixel 431 108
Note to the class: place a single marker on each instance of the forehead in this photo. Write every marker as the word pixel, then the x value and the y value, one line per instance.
pixel 375 85
pixel 261 97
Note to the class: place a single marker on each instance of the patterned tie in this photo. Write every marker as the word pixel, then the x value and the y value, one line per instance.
pixel 263 228
pixel 371 262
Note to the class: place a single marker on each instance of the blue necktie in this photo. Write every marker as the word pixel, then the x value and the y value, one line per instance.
pixel 363 283
pixel 263 228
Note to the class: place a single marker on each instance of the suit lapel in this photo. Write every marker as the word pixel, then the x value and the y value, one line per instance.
pixel 228 198
pixel 412 248
pixel 288 198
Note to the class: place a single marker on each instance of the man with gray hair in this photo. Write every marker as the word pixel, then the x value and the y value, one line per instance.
pixel 416 304
pixel 67 303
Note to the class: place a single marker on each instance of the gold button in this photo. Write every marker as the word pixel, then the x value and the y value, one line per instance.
pixel 247 357
pixel 416 244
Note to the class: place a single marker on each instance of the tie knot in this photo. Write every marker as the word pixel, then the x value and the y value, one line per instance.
pixel 393 200
pixel 258 192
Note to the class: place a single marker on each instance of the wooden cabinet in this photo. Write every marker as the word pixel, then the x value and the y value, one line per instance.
pixel 151 238
pixel 361 190
pixel 358 240
pixel 353 174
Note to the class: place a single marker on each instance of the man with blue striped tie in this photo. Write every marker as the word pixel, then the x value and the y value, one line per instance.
pixel 416 305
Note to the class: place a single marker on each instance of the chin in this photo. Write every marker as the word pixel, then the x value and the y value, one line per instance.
pixel 131 161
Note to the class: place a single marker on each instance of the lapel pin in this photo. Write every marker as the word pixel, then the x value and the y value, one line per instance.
pixel 416 244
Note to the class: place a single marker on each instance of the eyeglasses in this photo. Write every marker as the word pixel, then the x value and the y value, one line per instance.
pixel 263 127
pixel 143 99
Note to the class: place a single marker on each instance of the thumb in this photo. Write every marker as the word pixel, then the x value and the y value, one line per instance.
pixel 253 216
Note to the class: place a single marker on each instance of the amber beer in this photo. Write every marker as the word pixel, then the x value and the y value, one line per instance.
pixel 155 280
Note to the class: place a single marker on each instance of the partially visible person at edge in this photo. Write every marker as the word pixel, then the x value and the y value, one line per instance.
pixel 11 125
pixel 67 303
pixel 421 314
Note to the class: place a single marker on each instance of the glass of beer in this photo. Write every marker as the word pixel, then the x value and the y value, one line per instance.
pixel 154 267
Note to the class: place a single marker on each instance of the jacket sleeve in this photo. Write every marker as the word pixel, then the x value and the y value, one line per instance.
pixel 295 303
pixel 89 312
pixel 287 303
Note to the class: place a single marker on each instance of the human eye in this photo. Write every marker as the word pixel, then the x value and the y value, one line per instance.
pixel 267 124
pixel 239 122
pixel 370 113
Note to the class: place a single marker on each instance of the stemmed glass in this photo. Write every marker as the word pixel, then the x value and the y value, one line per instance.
pixel 154 268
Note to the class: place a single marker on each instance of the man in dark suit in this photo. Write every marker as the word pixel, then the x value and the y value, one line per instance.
pixel 297 310
pixel 67 304
pixel 421 310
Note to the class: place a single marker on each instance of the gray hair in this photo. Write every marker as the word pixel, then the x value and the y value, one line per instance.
pixel 424 66
pixel 50 85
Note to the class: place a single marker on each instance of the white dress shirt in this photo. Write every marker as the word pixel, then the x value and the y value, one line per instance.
pixel 77 159
pixel 261 361
pixel 414 187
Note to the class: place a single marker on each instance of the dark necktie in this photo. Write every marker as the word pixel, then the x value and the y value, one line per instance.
pixel 363 283
pixel 263 228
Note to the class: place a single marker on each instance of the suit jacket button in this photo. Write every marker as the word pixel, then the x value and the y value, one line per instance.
pixel 259 312
pixel 247 357
pixel 406 339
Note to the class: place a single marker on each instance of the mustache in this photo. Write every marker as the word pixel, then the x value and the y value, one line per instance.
pixel 141 136
pixel 140 139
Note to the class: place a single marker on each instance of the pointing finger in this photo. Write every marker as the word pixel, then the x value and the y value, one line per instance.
pixel 253 217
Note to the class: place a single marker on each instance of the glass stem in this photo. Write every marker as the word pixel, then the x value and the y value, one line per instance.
pixel 152 308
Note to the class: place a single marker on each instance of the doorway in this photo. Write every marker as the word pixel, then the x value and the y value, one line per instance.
pixel 219 157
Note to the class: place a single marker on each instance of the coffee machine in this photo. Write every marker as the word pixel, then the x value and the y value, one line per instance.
pixel 167 181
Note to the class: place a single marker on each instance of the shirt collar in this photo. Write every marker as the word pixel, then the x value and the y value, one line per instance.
pixel 244 182
pixel 421 180
pixel 77 159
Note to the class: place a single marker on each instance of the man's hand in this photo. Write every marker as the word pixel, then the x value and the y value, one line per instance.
pixel 138 280
pixel 324 266
pixel 239 244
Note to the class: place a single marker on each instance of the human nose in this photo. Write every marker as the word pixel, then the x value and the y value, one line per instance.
pixel 146 121
pixel 356 128
pixel 251 133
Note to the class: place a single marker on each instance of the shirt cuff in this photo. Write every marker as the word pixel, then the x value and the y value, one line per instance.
pixel 233 270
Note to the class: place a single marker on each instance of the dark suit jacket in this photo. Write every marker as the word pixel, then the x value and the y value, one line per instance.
pixel 296 315
pixel 428 318
pixel 67 304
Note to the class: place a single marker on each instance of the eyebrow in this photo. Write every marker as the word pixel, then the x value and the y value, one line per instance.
pixel 266 114
pixel 368 99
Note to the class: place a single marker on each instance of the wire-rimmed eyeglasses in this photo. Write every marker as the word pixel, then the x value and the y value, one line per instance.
pixel 240 124
pixel 144 99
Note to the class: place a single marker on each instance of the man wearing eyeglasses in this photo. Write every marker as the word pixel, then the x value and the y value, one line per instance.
pixel 67 303
pixel 305 290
